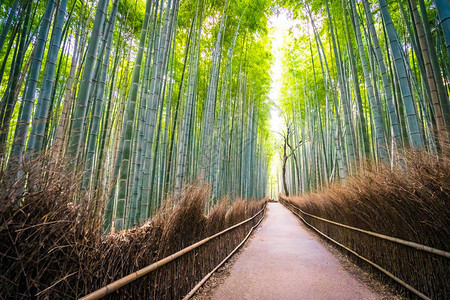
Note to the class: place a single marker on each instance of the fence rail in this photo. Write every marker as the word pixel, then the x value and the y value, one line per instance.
pixel 384 237
pixel 195 289
pixel 102 292
pixel 381 236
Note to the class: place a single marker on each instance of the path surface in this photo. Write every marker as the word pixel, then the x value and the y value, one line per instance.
pixel 284 261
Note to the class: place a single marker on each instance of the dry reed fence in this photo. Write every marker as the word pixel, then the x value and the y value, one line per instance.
pixel 51 248
pixel 411 202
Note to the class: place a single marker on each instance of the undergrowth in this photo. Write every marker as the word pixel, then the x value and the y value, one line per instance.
pixel 410 202
pixel 51 246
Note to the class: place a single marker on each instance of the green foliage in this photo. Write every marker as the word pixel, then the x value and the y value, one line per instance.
pixel 113 109
pixel 312 90
pixel 196 84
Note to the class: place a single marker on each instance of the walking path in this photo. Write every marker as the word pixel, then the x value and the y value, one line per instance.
pixel 284 261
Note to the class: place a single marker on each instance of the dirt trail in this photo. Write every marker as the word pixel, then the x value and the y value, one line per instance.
pixel 285 261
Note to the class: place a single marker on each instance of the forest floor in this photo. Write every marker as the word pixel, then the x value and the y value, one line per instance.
pixel 284 260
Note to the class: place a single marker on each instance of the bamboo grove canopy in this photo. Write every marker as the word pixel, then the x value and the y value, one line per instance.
pixel 363 81
pixel 142 97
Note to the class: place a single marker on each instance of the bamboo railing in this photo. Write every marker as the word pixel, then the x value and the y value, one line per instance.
pixel 195 289
pixel 380 236
pixel 102 292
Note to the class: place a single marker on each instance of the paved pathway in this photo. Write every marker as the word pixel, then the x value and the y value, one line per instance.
pixel 284 261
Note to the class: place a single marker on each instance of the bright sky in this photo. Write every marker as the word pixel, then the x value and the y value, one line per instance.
pixel 279 24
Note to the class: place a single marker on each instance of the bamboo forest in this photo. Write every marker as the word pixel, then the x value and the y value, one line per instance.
pixel 150 138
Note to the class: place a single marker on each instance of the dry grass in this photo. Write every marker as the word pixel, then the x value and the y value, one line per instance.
pixel 411 202
pixel 51 248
